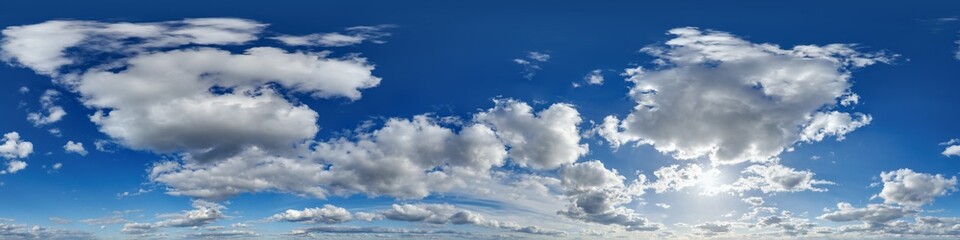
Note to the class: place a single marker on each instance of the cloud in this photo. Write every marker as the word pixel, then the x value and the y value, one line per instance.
pixel 75 147
pixel 716 95
pixel 531 63
pixel 53 112
pixel 203 213
pixel 544 140
pixel 872 214
pixel 595 77
pixel 329 214
pixel 14 148
pixel 774 178
pixel 42 47
pixel 952 149
pixel 352 36
pixel 676 178
pixel 207 102
pixel 754 201
pixel 18 232
pixel 913 189
pixel 832 124
pixel 597 195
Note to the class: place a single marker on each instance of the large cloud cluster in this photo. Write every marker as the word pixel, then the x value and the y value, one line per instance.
pixel 719 96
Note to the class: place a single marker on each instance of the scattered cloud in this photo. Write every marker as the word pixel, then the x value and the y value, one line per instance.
pixel 351 36
pixel 75 147
pixel 531 63
pixel 50 113
pixel 14 148
pixel 913 189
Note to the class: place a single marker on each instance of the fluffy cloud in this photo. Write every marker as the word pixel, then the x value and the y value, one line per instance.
pixel 597 195
pixel 329 214
pixel 832 124
pixel 42 47
pixel 14 148
pixel 352 36
pixel 203 213
pixel 952 149
pixel 53 113
pixel 595 77
pixel 913 189
pixel 717 95
pixel 206 102
pixel 544 140
pixel 75 147
pixel 872 214
pixel 769 178
pixel 675 178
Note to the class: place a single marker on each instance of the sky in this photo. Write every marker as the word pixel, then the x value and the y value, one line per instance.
pixel 479 120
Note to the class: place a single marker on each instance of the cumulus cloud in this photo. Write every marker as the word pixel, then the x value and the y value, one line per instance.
pixel 774 178
pixel 50 113
pixel 832 124
pixel 675 177
pixel 597 195
pixel 75 147
pixel 722 97
pixel 206 102
pixel 14 148
pixel 913 189
pixel 595 77
pixel 351 36
pixel 544 140
pixel 952 149
pixel 203 213
pixel 329 214
pixel 531 63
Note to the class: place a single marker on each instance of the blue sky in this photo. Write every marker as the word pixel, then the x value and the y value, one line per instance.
pixel 512 119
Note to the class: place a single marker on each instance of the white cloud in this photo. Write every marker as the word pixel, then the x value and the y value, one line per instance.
pixel 913 189
pixel 329 214
pixel 832 124
pixel 544 140
pixel 597 195
pixel 774 178
pixel 352 36
pixel 872 214
pixel 54 113
pixel 206 102
pixel 531 64
pixel 18 232
pixel 676 178
pixel 719 96
pixel 595 77
pixel 42 47
pixel 57 166
pixel 14 148
pixel 448 214
pixel 75 147
pixel 754 201
pixel 203 213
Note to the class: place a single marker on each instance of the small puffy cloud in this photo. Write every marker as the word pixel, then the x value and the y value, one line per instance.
pixel 329 214
pixel 716 95
pixel 57 166
pixel 832 124
pixel 913 189
pixel 952 149
pixel 754 201
pixel 14 148
pixel 676 178
pixel 75 147
pixel 542 140
pixel 595 77
pixel 51 112
pixel 872 214
pixel 352 36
